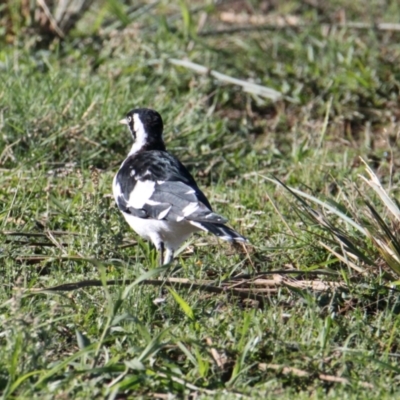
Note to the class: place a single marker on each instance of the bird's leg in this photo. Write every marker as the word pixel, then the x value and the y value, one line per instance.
pixel 162 249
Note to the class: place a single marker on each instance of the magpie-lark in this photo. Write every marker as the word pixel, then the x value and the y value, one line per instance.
pixel 156 194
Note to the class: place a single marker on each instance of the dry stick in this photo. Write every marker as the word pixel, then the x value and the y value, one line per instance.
pixel 284 272
pixel 257 293
pixel 52 20
pixel 24 242
pixel 391 27
pixel 305 374
pixel 227 285
pixel 54 233
pixel 244 294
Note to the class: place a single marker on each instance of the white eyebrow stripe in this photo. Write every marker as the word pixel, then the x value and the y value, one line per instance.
pixel 140 133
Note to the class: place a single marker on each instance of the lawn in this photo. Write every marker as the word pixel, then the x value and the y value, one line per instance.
pixel 310 309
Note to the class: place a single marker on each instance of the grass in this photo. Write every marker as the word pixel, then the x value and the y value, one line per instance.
pixel 320 328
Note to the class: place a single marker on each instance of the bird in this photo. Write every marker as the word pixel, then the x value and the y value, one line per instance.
pixel 157 195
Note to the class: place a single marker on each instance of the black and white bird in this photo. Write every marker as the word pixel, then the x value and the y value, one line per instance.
pixel 157 195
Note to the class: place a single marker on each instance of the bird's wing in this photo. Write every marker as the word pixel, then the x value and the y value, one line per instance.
pixel 158 186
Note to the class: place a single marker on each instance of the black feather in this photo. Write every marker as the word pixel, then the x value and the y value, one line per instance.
pixel 223 231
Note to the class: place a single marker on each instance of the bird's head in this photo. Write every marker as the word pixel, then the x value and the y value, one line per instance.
pixel 144 124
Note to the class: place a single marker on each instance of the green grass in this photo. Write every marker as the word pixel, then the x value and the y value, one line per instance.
pixel 61 144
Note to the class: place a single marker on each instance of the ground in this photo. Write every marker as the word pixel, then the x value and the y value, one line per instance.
pixel 284 316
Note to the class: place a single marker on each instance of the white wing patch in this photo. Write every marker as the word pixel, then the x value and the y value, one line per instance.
pixel 164 213
pixel 141 194
pixel 190 209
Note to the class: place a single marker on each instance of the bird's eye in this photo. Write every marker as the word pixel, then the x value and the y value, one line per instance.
pixel 129 119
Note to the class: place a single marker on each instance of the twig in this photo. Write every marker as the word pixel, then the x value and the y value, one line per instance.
pixel 37 234
pixel 41 244
pixel 51 19
pixel 305 374
pixel 384 26
pixel 35 259
pixel 318 286
pixel 257 289
pixel 284 272
pixel 244 294
pixel 247 86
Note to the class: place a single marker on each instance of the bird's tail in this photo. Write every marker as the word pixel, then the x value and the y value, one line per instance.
pixel 221 230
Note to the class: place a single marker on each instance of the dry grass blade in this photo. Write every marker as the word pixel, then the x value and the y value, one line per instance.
pixel 298 194
pixel 247 86
pixel 345 260
pixel 369 223
pixel 391 239
pixel 375 184
pixel 219 359
pixel 345 240
pixel 51 19
pixel 386 242
pixel 382 235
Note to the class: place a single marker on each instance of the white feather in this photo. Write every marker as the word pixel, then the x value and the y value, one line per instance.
pixel 141 194
pixel 190 209
pixel 164 213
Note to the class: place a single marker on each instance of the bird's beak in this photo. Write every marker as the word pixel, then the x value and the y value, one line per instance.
pixel 123 121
